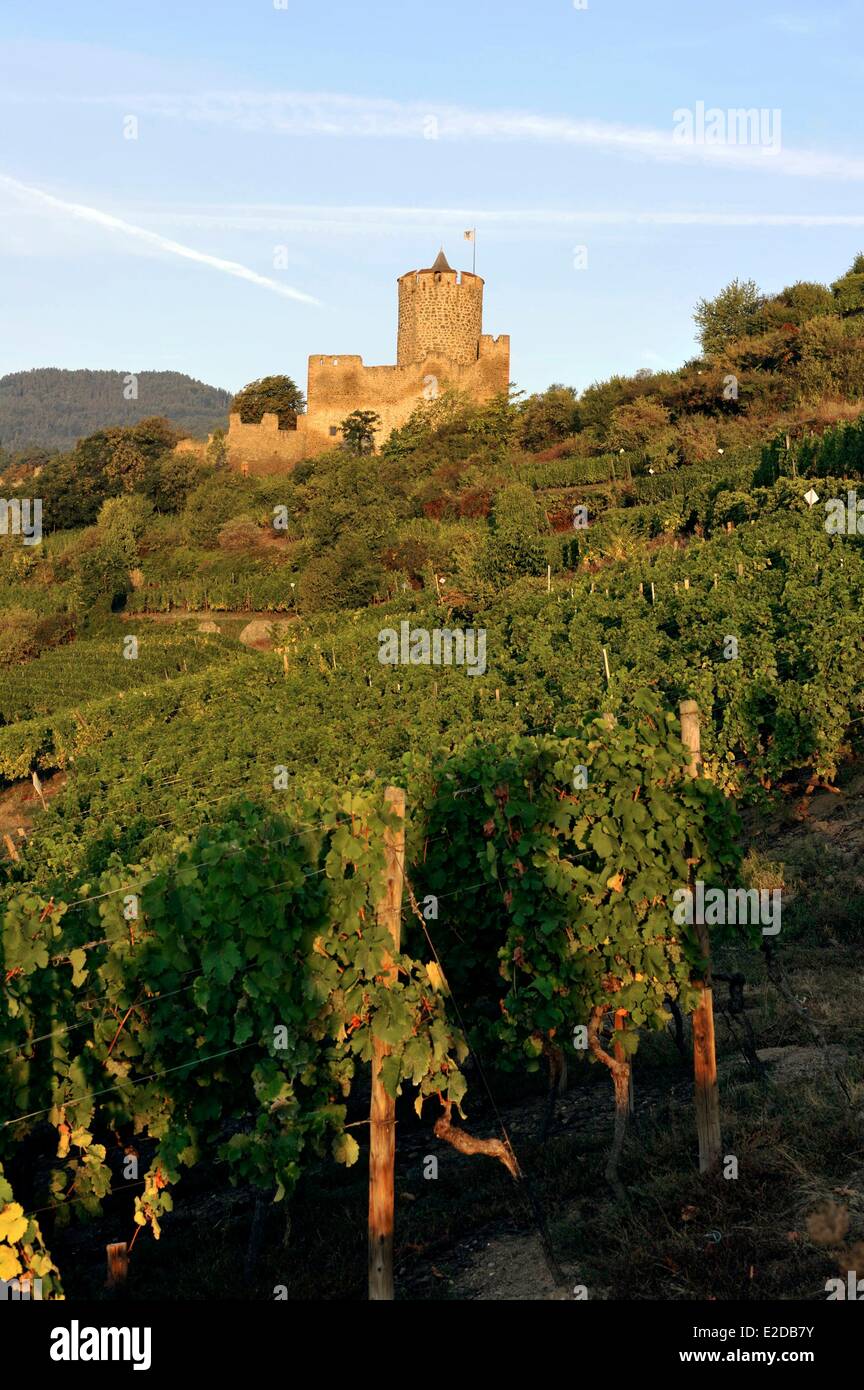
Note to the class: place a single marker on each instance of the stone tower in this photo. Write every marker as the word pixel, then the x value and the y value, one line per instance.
pixel 440 312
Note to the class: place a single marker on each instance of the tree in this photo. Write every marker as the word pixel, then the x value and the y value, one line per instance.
pixel 359 430
pixel 153 436
pixel 547 417
pixel 644 428
pixel 849 289
pixel 802 301
pixel 733 313
pixel 122 522
pixel 126 467
pixel 348 576
pixel 514 546
pixel 216 453
pixel 276 395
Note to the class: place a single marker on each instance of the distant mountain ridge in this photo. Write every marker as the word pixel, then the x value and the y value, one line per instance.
pixel 52 408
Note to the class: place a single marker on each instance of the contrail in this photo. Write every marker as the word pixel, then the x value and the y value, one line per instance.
pixel 333 114
pixel 161 243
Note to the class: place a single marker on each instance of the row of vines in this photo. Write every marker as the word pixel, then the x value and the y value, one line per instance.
pixel 218 1001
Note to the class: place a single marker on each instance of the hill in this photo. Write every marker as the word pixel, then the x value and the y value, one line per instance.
pixel 52 409
pixel 502 613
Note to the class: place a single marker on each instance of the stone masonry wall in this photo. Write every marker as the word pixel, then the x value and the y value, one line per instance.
pixel 340 385
pixel 439 311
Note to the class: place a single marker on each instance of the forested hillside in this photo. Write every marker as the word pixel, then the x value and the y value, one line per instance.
pixel 52 409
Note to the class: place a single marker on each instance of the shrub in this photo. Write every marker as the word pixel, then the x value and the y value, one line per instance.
pixel 239 533
pixel 19 640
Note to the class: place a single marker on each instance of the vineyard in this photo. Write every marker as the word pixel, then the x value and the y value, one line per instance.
pixel 197 971
pixel 291 926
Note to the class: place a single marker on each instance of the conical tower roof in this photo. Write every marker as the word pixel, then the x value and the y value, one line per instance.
pixel 441 262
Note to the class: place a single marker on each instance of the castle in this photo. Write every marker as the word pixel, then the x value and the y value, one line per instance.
pixel 440 342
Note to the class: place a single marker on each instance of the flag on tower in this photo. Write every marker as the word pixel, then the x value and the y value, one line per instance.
pixel 469 236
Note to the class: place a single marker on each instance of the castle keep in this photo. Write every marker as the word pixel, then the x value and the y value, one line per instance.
pixel 440 343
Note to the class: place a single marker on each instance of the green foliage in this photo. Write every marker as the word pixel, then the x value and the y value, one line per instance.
pixel 217 499
pixel 513 546
pixel 849 290
pixel 359 430
pixel 644 428
pixel 267 930
pixel 547 417
pixel 731 314
pixel 91 670
pixel 345 577
pixel 277 395
pixel 103 465
pixel 122 522
pixel 570 850
pixel 802 301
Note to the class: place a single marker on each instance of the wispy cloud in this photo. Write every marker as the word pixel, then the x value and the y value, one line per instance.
pixel 161 243
pixel 361 220
pixel 332 114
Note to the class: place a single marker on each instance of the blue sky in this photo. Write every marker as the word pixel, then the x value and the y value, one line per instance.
pixel 291 162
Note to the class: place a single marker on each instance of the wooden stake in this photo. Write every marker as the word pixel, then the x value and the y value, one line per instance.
pixel 653 599
pixel 548 579
pixel 690 735
pixel 606 665
pixel 10 845
pixel 118 1264
pixel 382 1114
pixel 706 1090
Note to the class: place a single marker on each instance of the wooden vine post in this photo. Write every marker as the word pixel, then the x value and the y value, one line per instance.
pixel 706 1090
pixel 382 1114
pixel 117 1256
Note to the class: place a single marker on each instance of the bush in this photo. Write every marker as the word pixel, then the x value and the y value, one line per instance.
pixel 215 501
pixel 239 533
pixel 346 577
pixel 122 522
pixel 19 635
pixel 514 547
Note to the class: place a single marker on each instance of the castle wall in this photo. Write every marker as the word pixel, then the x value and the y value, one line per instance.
pixel 338 385
pixel 440 344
